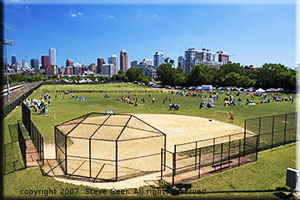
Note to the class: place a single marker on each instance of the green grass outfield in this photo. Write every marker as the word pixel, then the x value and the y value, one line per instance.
pixel 66 109
pixel 99 87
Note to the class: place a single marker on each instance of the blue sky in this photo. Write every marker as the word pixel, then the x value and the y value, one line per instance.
pixel 250 33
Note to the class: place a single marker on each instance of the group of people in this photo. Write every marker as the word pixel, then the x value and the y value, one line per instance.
pixel 39 106
pixel 209 104
pixel 129 100
pixel 174 106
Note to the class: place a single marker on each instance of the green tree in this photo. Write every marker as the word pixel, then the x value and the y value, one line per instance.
pixel 201 75
pixel 136 74
pixel 271 75
pixel 166 74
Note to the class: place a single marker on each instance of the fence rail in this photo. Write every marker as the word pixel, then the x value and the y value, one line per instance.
pixel 192 160
pixel 17 102
pixel 22 144
pixel 35 136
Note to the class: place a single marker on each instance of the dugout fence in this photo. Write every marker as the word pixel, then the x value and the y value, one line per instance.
pixel 108 147
pixel 190 161
pixel 274 130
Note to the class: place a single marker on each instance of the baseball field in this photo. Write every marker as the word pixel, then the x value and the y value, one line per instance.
pixel 187 124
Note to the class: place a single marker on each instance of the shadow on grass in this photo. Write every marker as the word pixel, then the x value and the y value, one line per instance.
pixel 12 158
pixel 281 192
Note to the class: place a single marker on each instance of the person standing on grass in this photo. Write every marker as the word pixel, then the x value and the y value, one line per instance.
pixel 231 117
pixel 153 100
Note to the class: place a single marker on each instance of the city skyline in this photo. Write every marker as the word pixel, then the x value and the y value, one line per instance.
pixel 234 32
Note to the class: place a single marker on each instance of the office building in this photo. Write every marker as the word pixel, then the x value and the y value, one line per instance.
pixel 69 62
pixel 158 58
pixel 223 57
pixel 69 70
pixel 204 56
pixel 93 68
pixel 77 69
pixel 52 56
pixel 45 61
pixel 124 60
pixel 169 60
pixel 107 69
pixel 114 60
pixel 50 70
pixel 62 71
pixel 100 62
pixel 35 64
pixel 147 61
pixel 149 70
pixel 134 63
pixel 13 60
pixel 180 62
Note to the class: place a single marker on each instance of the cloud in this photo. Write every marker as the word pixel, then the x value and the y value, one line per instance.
pixel 110 16
pixel 76 14
pixel 8 26
pixel 154 16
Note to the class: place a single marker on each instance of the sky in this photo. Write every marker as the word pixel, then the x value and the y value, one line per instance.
pixel 252 34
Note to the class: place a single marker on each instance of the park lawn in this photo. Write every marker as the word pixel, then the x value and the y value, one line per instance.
pixel 262 179
pixel 268 174
pixel 66 109
pixel 99 87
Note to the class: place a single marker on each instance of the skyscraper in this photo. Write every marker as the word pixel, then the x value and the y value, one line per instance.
pixel 190 59
pixel 124 60
pixel 52 56
pixel 13 60
pixel 158 58
pixel 204 56
pixel 107 69
pixel 100 62
pixel 35 64
pixel 114 60
pixel 223 57
pixel 69 62
pixel 181 61
pixel 45 61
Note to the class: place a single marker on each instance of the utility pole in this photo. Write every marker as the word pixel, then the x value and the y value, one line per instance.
pixel 7 42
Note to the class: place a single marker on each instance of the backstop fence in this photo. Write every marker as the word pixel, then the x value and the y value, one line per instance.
pixel 35 136
pixel 108 147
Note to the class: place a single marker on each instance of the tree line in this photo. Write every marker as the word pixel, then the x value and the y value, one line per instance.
pixel 231 74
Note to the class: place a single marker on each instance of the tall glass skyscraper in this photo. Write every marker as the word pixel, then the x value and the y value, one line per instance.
pixel 13 60
pixel 114 60
pixel 52 56
pixel 158 58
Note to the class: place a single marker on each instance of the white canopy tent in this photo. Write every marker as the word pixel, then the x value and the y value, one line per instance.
pixel 260 90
